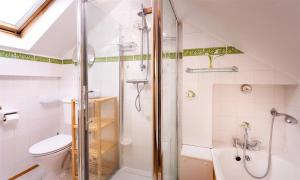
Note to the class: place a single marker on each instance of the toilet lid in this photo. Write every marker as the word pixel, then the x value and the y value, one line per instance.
pixel 51 145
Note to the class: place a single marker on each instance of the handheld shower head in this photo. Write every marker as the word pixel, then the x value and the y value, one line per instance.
pixel 290 119
pixel 287 118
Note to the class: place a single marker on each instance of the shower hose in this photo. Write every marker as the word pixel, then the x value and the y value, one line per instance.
pixel 269 153
pixel 138 97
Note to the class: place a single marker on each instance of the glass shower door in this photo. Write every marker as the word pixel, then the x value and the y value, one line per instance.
pixel 169 92
pixel 102 38
pixel 118 35
pixel 118 91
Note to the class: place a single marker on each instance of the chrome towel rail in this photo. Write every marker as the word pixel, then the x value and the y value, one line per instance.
pixel 207 70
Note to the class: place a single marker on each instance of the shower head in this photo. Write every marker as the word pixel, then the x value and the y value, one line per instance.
pixel 287 118
pixel 142 13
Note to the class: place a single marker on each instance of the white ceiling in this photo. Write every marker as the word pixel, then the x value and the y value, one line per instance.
pixel 268 30
pixel 60 37
pixel 51 34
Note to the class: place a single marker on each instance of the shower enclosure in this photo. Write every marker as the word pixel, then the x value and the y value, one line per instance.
pixel 128 50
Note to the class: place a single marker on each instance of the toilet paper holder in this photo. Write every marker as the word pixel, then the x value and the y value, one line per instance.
pixel 4 113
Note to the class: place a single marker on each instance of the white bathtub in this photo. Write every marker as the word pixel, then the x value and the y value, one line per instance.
pixel 227 168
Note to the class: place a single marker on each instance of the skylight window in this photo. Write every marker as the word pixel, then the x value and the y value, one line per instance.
pixel 15 15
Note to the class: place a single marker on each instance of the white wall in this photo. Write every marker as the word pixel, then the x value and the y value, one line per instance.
pixel 293 132
pixel 219 107
pixel 231 107
pixel 36 122
pixel 197 113
pixel 23 84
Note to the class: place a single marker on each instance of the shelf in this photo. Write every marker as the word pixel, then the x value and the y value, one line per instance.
pixel 106 171
pixel 93 148
pixel 104 123
pixel 105 146
pixel 99 150
pixel 101 99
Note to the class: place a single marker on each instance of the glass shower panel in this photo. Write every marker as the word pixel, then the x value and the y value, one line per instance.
pixel 120 126
pixel 103 83
pixel 169 94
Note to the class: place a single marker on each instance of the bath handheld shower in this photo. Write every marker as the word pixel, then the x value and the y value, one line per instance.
pixel 288 119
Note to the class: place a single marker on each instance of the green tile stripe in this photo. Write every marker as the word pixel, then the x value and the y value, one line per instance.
pixel 28 57
pixel 211 51
pixel 7 54
pixel 67 61
pixel 112 59
pixel 56 61
pixel 193 52
pixel 24 56
pixel 41 59
pixel 140 57
pixel 166 55
pixel 169 55
pixel 128 58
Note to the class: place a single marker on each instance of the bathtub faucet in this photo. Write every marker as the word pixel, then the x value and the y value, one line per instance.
pixel 253 145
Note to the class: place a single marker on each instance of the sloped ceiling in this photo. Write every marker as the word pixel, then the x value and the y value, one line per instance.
pixel 51 34
pixel 60 37
pixel 268 30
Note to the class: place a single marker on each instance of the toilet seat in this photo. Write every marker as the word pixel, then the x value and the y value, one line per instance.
pixel 51 145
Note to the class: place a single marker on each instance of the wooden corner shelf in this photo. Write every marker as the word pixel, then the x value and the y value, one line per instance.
pixel 104 146
pixel 103 152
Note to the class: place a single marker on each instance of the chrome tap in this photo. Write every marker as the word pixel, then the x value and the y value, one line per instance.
pixel 253 145
pixel 250 145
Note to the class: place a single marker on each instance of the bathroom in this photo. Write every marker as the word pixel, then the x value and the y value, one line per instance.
pixel 140 89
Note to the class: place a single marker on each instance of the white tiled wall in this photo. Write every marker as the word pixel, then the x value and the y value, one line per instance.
pixel 36 122
pixel 197 113
pixel 231 107
pixel 293 132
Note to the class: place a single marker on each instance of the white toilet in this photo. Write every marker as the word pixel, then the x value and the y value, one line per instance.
pixel 50 153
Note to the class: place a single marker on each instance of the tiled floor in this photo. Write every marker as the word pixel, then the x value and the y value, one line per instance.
pixel 124 175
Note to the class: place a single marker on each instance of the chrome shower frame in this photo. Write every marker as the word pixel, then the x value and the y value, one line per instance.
pixel 157 68
pixel 83 141
pixel 83 145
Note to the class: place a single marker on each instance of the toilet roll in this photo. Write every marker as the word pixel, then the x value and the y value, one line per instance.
pixel 11 118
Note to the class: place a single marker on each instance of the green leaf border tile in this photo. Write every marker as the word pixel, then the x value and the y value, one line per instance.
pixel 41 59
pixel 56 61
pixel 135 57
pixel 67 61
pixel 7 54
pixel 193 52
pixel 23 56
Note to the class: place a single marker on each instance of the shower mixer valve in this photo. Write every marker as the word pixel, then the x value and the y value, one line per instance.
pixel 254 145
